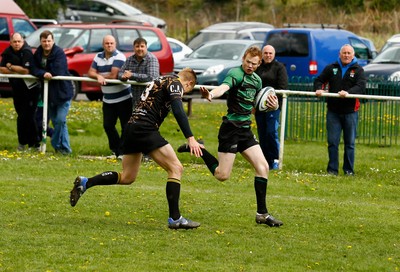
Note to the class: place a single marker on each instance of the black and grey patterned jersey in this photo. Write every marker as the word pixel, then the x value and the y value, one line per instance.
pixel 155 102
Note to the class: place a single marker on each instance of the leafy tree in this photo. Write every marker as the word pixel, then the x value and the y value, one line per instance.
pixel 40 8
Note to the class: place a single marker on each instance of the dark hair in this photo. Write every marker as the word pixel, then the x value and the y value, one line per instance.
pixel 139 41
pixel 45 34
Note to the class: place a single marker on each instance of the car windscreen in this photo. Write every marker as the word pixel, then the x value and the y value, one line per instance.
pixel 63 37
pixel 289 44
pixel 203 37
pixel 221 51
pixel 390 55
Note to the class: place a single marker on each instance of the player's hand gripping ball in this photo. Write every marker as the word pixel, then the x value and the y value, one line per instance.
pixel 263 101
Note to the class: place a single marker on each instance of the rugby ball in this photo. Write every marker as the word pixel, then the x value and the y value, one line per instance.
pixel 262 99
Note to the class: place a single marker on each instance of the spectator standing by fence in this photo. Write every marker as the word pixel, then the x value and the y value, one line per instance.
pixel 273 74
pixel 345 76
pixel 50 61
pixel 17 59
pixel 142 66
pixel 117 98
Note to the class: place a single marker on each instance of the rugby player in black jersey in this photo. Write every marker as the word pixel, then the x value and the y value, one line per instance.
pixel 142 136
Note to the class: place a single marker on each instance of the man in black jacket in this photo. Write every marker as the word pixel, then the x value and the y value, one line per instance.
pixel 345 76
pixel 17 59
pixel 273 74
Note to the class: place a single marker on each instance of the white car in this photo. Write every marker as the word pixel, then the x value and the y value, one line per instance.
pixel 395 39
pixel 179 49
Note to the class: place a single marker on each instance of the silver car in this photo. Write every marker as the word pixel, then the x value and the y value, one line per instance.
pixel 231 30
pixel 112 10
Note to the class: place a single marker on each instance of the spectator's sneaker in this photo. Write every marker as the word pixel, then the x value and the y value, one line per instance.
pixel 21 148
pixel 182 223
pixel 146 158
pixel 268 219
pixel 78 190
pixel 275 165
pixel 186 148
pixel 113 156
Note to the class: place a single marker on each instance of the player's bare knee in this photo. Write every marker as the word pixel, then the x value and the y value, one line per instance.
pixel 176 169
pixel 180 169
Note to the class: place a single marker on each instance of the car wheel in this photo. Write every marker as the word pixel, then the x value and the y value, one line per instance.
pixel 76 89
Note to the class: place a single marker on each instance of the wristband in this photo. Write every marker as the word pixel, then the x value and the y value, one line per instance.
pixel 212 95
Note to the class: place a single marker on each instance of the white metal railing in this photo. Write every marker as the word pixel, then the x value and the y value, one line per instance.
pixel 285 94
pixel 43 144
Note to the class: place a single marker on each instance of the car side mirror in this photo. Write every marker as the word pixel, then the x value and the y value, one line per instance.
pixel 73 50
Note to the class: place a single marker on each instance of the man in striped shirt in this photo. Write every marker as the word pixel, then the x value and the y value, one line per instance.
pixel 117 98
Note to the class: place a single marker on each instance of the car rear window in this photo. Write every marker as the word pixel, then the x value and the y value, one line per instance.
pixel 22 26
pixel 4 32
pixel 259 35
pixel 203 37
pixel 153 41
pixel 289 44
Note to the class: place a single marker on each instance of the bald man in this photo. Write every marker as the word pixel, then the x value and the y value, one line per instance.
pixel 273 74
pixel 17 59
pixel 117 98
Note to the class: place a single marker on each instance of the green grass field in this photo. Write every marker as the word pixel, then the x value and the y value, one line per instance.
pixel 330 223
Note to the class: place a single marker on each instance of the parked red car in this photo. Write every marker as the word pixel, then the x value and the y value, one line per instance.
pixel 81 42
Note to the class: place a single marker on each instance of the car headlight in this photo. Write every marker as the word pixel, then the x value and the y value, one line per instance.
pixel 395 76
pixel 214 70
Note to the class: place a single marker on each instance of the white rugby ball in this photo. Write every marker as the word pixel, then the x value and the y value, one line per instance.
pixel 262 99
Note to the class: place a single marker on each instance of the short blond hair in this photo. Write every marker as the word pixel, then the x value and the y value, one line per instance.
pixel 189 75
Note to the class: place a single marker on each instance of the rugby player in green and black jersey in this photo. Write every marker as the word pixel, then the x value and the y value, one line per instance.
pixel 235 135
pixel 142 136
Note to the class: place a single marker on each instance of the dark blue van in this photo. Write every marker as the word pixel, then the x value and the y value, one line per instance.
pixel 306 51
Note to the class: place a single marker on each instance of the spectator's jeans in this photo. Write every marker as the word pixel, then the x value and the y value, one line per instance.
pixel 335 123
pixel 267 128
pixel 111 113
pixel 60 137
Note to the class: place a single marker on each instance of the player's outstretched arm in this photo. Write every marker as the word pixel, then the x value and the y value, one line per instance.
pixel 214 93
pixel 183 122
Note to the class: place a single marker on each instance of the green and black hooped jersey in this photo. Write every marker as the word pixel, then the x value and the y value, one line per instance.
pixel 155 102
pixel 241 95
